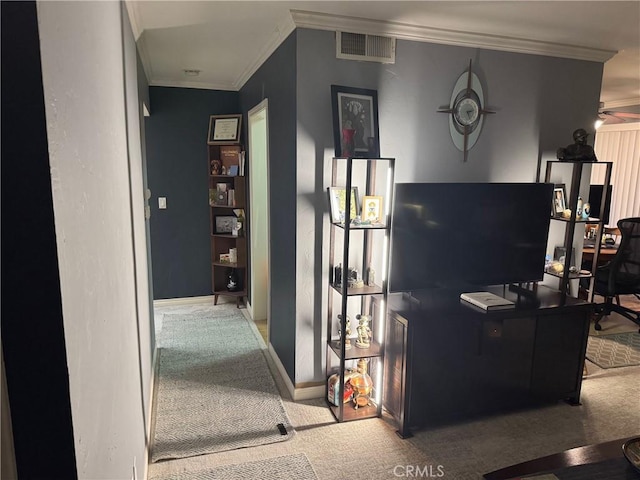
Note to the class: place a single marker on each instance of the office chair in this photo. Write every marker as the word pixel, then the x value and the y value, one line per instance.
pixel 621 276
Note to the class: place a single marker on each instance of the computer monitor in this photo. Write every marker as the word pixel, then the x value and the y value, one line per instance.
pixel 595 200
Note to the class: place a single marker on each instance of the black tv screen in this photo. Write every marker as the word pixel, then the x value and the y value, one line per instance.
pixel 463 235
pixel 595 201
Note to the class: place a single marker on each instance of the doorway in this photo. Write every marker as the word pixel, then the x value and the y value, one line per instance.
pixel 258 304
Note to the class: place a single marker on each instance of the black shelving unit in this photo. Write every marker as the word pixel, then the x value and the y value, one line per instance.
pixel 360 246
pixel 577 168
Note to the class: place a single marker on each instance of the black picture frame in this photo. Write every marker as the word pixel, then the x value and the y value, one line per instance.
pixel 356 108
pixel 224 129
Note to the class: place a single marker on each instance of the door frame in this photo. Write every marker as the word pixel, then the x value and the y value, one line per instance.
pixel 260 109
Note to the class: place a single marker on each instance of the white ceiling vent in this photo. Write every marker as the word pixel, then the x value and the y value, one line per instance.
pixel 360 46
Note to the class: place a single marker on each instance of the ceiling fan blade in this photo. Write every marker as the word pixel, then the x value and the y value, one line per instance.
pixel 634 116
pixel 610 119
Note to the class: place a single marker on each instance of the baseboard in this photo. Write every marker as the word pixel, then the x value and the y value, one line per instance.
pixel 297 394
pixel 155 364
pixel 167 302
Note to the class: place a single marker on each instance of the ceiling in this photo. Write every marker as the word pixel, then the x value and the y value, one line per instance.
pixel 226 41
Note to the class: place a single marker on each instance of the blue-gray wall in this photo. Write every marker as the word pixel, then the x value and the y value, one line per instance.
pixel 177 166
pixel 276 80
pixel 539 102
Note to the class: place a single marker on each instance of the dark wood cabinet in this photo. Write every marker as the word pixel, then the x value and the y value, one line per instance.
pixel 446 361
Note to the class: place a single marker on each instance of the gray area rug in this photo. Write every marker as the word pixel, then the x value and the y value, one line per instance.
pixel 616 350
pixel 215 390
pixel 280 468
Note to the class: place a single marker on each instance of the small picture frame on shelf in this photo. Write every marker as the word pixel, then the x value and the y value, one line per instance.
pixel 224 129
pixel 372 209
pixel 338 204
pixel 559 201
pixel 225 224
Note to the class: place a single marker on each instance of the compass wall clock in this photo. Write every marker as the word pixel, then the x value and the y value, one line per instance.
pixel 466 111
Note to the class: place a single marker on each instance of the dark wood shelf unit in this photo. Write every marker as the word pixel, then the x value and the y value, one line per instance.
pixel 227 155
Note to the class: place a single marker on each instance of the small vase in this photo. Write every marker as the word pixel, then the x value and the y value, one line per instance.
pixel 348 141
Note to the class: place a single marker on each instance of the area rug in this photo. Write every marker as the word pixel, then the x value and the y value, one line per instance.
pixel 616 350
pixel 280 468
pixel 215 390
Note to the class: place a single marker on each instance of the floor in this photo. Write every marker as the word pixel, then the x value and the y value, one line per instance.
pixel 371 449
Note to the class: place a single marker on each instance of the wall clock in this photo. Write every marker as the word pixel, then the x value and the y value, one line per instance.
pixel 466 111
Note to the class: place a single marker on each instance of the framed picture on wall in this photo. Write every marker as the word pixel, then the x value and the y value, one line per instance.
pixel 355 122
pixel 338 204
pixel 224 129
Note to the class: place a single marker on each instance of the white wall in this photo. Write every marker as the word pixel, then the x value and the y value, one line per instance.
pixel 82 63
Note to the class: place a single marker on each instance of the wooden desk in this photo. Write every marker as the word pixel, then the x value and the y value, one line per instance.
pixel 588 454
pixel 606 254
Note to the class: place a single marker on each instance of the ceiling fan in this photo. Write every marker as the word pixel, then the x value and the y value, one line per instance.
pixel 611 117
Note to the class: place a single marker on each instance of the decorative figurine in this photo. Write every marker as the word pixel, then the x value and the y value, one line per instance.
pixel 232 283
pixel 364 332
pixel 579 150
pixel 362 385
pixel 347 330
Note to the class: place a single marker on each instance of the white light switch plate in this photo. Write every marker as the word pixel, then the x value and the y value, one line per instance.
pixel 162 203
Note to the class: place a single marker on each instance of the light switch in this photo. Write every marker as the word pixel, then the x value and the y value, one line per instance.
pixel 162 203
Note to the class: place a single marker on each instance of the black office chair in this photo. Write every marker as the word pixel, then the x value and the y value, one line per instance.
pixel 621 276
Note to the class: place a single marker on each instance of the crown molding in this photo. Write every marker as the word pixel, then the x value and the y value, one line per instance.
pixel 134 18
pixel 282 31
pixel 324 21
pixel 159 82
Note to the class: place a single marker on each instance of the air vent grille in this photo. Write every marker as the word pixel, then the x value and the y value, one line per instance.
pixel 360 46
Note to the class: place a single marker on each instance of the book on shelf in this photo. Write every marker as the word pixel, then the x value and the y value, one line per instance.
pixel 487 301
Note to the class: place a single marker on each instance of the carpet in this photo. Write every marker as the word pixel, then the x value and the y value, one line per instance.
pixel 280 468
pixel 616 350
pixel 215 390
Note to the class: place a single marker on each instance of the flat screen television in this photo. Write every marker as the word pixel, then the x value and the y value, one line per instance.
pixel 465 235
pixel 595 200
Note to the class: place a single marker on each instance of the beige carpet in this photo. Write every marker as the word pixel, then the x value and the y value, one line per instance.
pixel 285 467
pixel 370 448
